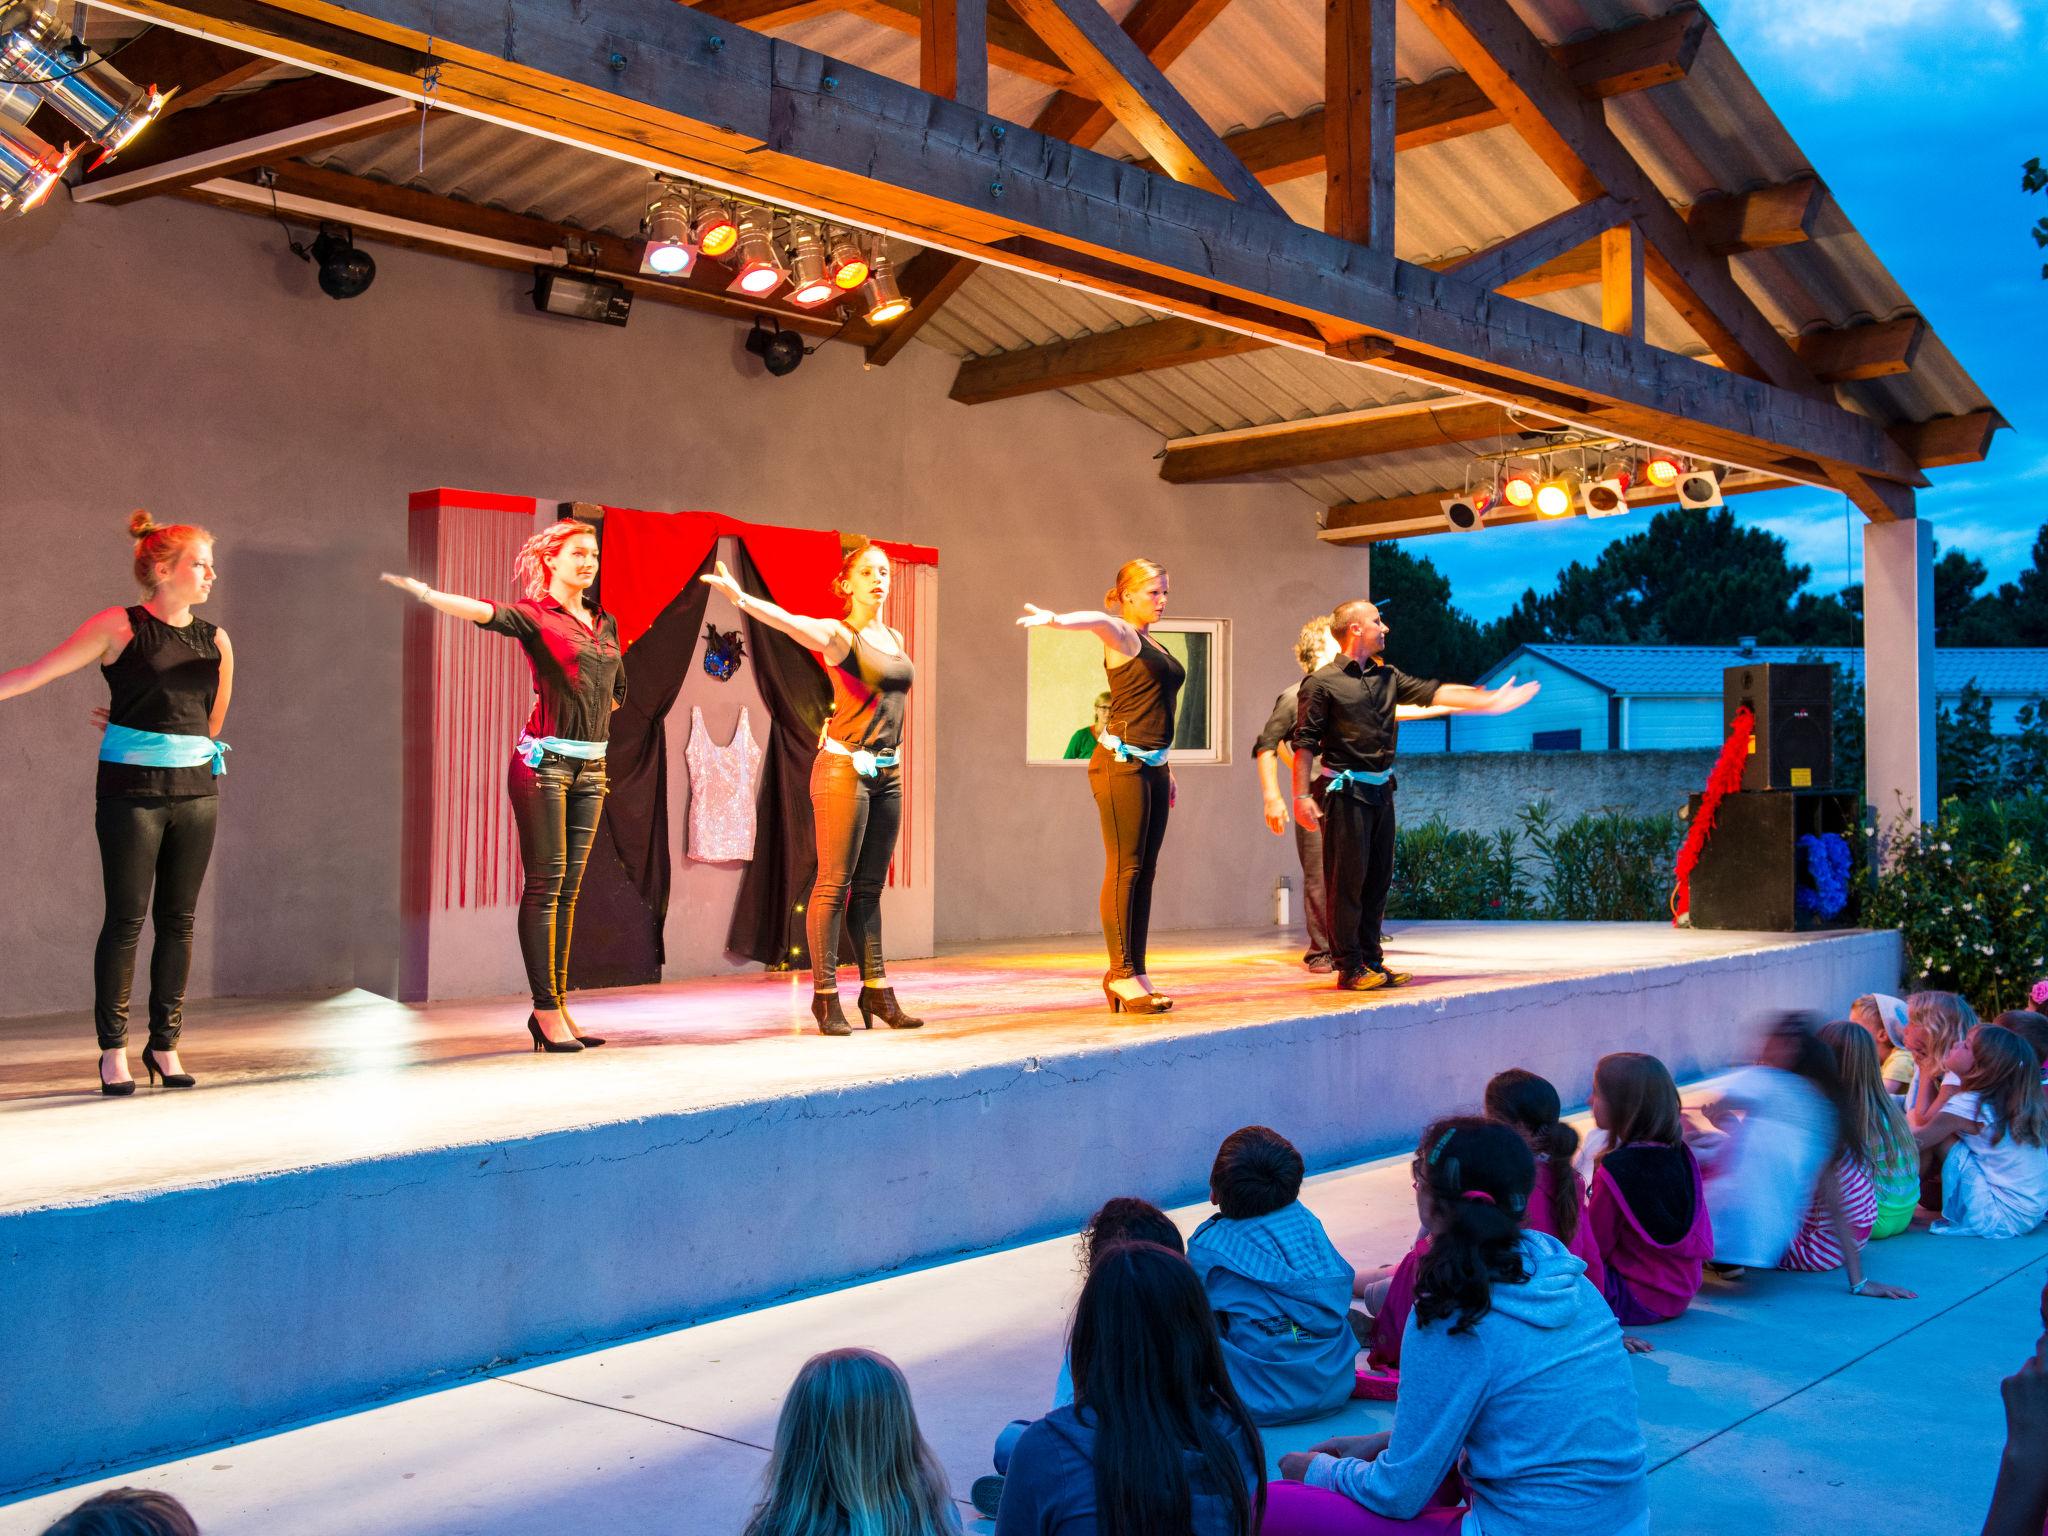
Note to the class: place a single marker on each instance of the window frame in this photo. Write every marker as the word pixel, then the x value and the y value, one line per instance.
pixel 1217 753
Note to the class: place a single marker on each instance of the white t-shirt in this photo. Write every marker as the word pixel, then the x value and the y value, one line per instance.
pixel 2018 1171
pixel 1761 1181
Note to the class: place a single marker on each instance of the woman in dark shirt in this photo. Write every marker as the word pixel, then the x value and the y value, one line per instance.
pixel 1128 776
pixel 557 777
pixel 169 674
pixel 856 778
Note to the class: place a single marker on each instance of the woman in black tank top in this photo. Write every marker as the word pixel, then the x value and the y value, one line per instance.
pixel 169 674
pixel 856 779
pixel 1128 775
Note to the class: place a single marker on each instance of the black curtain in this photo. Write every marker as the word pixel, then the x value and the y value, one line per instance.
pixel 624 899
pixel 766 923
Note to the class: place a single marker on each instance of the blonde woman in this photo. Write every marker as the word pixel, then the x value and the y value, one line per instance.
pixel 856 778
pixel 849 1456
pixel 1128 775
pixel 557 775
pixel 169 674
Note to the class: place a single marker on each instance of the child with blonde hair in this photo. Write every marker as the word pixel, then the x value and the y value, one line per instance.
pixel 1992 1135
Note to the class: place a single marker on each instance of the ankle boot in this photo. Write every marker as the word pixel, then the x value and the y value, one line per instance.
pixel 880 1003
pixel 825 1009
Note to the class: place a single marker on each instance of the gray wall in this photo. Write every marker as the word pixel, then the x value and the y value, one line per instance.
pixel 179 358
pixel 1483 791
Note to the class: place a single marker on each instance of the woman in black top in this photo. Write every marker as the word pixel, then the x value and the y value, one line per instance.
pixel 557 777
pixel 169 674
pixel 856 779
pixel 1128 776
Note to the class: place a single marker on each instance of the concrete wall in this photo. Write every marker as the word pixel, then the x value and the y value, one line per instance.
pixel 1482 791
pixel 184 361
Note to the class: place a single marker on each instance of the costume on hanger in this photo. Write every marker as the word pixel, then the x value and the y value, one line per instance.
pixel 723 782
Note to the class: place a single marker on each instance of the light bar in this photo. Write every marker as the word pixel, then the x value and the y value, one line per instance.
pixel 108 107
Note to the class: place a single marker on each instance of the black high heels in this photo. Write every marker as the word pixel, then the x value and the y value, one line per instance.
pixel 170 1079
pixel 119 1090
pixel 588 1042
pixel 884 1007
pixel 825 1009
pixel 542 1043
pixel 1144 1002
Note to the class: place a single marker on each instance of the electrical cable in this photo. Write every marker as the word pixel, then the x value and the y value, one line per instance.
pixel 107 57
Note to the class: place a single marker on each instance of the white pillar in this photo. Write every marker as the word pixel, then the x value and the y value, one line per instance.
pixel 1898 668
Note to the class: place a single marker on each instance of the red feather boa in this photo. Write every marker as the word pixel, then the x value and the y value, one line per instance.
pixel 1725 780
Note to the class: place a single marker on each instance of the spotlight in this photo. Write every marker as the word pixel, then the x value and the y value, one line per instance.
pixel 780 351
pixel 344 270
pixel 108 107
pixel 1519 488
pixel 760 269
pixel 1554 496
pixel 849 263
pixel 581 296
pixel 29 168
pixel 808 284
pixel 1661 470
pixel 1699 487
pixel 712 228
pixel 1467 512
pixel 1608 495
pixel 669 252
pixel 880 298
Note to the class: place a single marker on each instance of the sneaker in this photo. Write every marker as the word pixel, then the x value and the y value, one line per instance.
pixel 1395 978
pixel 1322 965
pixel 1359 981
pixel 986 1495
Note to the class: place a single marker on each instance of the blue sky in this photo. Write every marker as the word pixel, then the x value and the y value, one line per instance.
pixel 1917 114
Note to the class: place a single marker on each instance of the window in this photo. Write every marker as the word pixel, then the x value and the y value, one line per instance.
pixel 1556 741
pixel 1065 678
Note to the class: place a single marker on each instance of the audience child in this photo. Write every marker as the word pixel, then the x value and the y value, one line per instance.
pixel 1875 1135
pixel 2019 1501
pixel 1883 1018
pixel 1647 1208
pixel 1124 1219
pixel 127 1512
pixel 1279 1289
pixel 1936 1023
pixel 1157 1440
pixel 849 1457
pixel 1529 1104
pixel 1992 1135
pixel 2031 1027
pixel 1513 1377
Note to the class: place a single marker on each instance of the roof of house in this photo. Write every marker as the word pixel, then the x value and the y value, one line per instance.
pixel 1697 669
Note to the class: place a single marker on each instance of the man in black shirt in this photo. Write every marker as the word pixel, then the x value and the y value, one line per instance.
pixel 1347 721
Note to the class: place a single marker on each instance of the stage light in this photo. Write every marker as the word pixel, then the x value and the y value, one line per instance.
pixel 1519 488
pixel 1699 487
pixel 581 296
pixel 1608 495
pixel 108 107
pixel 1554 496
pixel 1467 512
pixel 760 269
pixel 1661 470
pixel 849 263
pixel 29 168
pixel 668 252
pixel 780 351
pixel 809 285
pixel 712 228
pixel 881 300
pixel 344 270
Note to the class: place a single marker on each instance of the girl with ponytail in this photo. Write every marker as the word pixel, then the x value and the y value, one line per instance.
pixel 1528 1104
pixel 1512 1367
pixel 169 673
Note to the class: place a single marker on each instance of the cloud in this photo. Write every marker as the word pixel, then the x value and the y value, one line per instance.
pixel 1835 44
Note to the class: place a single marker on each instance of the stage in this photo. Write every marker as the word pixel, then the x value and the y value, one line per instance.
pixel 364 1199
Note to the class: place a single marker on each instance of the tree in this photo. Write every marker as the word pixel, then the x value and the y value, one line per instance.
pixel 2034 177
pixel 1966 755
pixel 1961 615
pixel 1431 635
pixel 2022 605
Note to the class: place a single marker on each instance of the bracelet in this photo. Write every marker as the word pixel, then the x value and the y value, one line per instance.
pixel 1857 1288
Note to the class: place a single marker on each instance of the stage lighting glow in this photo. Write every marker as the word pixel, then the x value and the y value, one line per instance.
pixel 760 269
pixel 1519 488
pixel 29 168
pixel 713 229
pixel 1661 470
pixel 881 300
pixel 108 107
pixel 1554 496
pixel 849 262
pixel 809 284
pixel 669 251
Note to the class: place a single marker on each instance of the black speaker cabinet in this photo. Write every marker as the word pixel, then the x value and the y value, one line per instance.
pixel 1794 744
pixel 1748 872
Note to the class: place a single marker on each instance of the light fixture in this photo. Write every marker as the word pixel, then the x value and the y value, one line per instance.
pixel 1518 488
pixel 108 107
pixel 809 284
pixel 1662 470
pixel 1468 512
pixel 848 262
pixel 1699 487
pixel 1554 497
pixel 668 252
pixel 581 296
pixel 780 351
pixel 29 168
pixel 760 269
pixel 712 229
pixel 881 300
pixel 1607 496
pixel 344 270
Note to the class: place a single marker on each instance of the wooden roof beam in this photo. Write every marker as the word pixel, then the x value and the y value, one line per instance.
pixel 1879 351
pixel 1162 31
pixel 1964 439
pixel 197 68
pixel 1522 253
pixel 1010 43
pixel 952 50
pixel 1409 517
pixel 1358 121
pixel 1130 349
pixel 1331 439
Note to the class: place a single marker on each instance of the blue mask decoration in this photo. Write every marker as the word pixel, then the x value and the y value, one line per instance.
pixel 723 652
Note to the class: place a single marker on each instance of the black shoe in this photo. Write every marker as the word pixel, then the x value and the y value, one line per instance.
pixel 114 1090
pixel 1361 1327
pixel 1395 978
pixel 587 1041
pixel 1322 965
pixel 825 1009
pixel 1359 981
pixel 884 1007
pixel 542 1043
pixel 171 1079
pixel 986 1495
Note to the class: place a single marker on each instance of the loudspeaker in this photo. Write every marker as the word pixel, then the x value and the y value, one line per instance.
pixel 1748 872
pixel 1794 744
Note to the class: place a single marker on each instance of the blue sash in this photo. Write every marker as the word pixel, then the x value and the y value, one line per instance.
pixel 1124 752
pixel 155 749
pixel 1337 781
pixel 531 747
pixel 865 763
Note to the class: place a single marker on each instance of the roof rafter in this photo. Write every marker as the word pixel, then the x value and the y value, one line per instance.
pixel 197 68
pixel 1329 439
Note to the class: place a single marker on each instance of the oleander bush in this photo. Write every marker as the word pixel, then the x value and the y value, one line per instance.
pixel 1443 872
pixel 1603 866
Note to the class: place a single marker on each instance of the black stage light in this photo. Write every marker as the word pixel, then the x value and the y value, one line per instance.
pixel 780 351
pixel 344 270
pixel 581 295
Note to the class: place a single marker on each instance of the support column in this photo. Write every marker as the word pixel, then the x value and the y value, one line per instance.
pixel 1898 669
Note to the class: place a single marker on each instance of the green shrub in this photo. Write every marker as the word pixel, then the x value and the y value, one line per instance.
pixel 1603 867
pixel 1442 872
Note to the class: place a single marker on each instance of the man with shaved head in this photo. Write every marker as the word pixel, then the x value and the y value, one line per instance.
pixel 1346 729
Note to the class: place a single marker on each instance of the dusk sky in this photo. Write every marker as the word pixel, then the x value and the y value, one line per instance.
pixel 1917 114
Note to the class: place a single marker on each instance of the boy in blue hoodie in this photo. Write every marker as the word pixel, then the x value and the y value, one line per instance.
pixel 1279 1288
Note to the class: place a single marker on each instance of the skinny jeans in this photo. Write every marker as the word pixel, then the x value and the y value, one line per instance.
pixel 1358 866
pixel 1315 890
pixel 153 857
pixel 857 821
pixel 555 807
pixel 1131 800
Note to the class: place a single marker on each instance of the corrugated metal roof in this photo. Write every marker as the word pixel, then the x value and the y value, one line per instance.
pixel 1670 670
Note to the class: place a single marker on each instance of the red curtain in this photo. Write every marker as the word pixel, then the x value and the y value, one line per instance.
pixel 647 558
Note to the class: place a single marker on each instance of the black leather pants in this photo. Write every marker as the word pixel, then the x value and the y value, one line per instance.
pixel 153 857
pixel 857 823
pixel 556 808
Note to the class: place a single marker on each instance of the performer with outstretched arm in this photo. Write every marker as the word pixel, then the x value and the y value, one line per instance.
pixel 169 674
pixel 856 779
pixel 1347 722
pixel 1128 776
pixel 557 776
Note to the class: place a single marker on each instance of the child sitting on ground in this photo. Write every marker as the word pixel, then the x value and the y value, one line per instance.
pixel 1992 1135
pixel 2031 1027
pixel 1883 1018
pixel 1647 1209
pixel 1279 1289
pixel 1936 1023
pixel 1875 1135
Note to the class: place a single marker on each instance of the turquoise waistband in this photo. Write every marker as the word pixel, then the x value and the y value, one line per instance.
pixel 865 763
pixel 1338 781
pixel 156 749
pixel 1124 752
pixel 531 747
